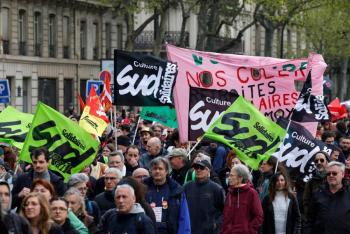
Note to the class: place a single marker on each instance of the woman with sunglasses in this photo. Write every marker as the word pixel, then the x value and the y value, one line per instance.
pixel 281 210
pixel 35 208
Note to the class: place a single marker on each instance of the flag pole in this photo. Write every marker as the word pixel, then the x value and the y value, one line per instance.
pixel 115 126
pixel 280 152
pixel 198 141
pixel 137 126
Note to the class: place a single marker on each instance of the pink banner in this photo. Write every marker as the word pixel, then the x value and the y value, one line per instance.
pixel 267 82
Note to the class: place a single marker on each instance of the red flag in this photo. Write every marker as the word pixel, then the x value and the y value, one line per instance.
pixel 81 102
pixel 105 97
pixel 96 109
pixel 337 110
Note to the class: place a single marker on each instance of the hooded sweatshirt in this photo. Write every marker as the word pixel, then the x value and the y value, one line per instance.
pixel 243 213
pixel 135 221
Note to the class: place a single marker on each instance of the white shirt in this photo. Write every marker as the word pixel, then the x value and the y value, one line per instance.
pixel 280 210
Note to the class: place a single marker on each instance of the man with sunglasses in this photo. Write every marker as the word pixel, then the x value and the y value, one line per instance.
pixel 321 160
pixel 331 204
pixel 205 200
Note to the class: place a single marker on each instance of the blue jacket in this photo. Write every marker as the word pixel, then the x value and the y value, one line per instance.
pixel 169 197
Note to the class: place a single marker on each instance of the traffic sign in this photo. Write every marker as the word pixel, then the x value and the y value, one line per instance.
pixel 105 74
pixel 4 91
pixel 98 85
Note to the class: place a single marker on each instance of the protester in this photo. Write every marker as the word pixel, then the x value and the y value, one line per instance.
pixel 140 174
pixel 328 137
pixel 154 149
pixel 242 211
pixel 106 151
pixel 4 174
pixel 123 142
pixel 345 146
pixel 157 130
pixel 329 212
pixel 59 214
pixel 35 208
pixel 205 201
pixel 145 135
pixel 132 157
pixel 105 200
pixel 280 206
pixel 129 217
pixel 164 196
pixel 77 204
pixel 218 154
pixel 40 163
pixel 12 223
pixel 231 160
pixel 267 169
pixel 179 164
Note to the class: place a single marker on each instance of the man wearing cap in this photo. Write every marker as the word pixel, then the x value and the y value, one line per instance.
pixel 123 143
pixel 154 149
pixel 179 164
pixel 205 200
pixel 145 135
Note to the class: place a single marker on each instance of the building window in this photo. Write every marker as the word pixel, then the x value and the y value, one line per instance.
pixel 68 93
pixel 37 33
pixel 95 40
pixel 108 41
pixel 65 37
pixel 4 20
pixel 27 100
pixel 22 32
pixel 120 36
pixel 52 35
pixel 83 93
pixel 47 92
pixel 83 39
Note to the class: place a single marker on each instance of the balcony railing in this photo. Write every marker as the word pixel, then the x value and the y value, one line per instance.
pixel 52 51
pixel 146 39
pixel 66 52
pixel 22 48
pixel 37 50
pixel 6 46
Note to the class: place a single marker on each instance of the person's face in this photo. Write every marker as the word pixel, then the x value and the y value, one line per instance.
pixel 111 181
pixel 320 161
pixel 43 191
pixel 40 165
pixel 106 151
pixel 176 162
pixel 265 167
pixel 73 202
pixel 280 183
pixel 158 173
pixel 153 148
pixel 32 208
pixel 334 176
pixel 329 140
pixel 132 157
pixel 59 212
pixel 83 188
pixel 202 173
pixel 115 162
pixel 145 136
pixel 124 200
pixel 335 155
pixel 157 132
pixel 4 197
pixel 347 163
pixel 234 180
pixel 345 144
pixel 140 175
pixel 235 161
pixel 122 148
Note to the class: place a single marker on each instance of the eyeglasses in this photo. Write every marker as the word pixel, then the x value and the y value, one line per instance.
pixel 141 176
pixel 59 209
pixel 321 160
pixel 110 178
pixel 332 173
pixel 198 168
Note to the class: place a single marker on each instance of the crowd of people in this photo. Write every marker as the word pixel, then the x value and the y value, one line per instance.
pixel 143 180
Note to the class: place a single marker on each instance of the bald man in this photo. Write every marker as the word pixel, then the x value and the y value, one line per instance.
pixel 140 174
pixel 154 149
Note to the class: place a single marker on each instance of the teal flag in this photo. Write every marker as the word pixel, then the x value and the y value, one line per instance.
pixel 71 148
pixel 162 114
pixel 14 126
pixel 248 132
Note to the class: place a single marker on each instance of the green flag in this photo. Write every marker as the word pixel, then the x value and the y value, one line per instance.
pixel 162 114
pixel 14 126
pixel 243 128
pixel 71 148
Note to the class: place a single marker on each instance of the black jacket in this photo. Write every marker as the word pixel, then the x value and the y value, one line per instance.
pixel 293 225
pixel 330 213
pixel 16 224
pixel 26 180
pixel 179 175
pixel 170 221
pixel 67 228
pixel 136 222
pixel 105 201
pixel 205 203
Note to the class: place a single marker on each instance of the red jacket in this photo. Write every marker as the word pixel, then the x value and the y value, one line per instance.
pixel 243 213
